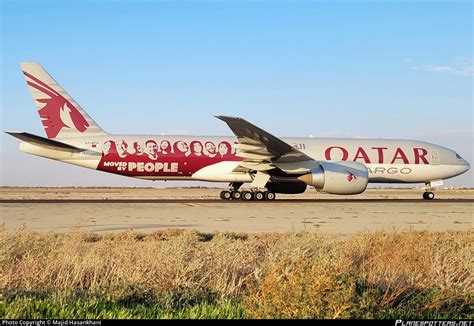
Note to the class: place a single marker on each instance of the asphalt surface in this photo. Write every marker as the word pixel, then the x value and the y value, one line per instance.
pixel 150 209
pixel 220 201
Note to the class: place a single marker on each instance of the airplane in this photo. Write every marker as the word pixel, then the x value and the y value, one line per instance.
pixel 270 164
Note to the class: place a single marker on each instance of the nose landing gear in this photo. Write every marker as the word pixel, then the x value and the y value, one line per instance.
pixel 428 194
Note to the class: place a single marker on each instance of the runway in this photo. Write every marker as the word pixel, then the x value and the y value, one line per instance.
pixel 150 209
pixel 229 202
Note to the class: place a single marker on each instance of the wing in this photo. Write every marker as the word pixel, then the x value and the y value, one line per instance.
pixel 262 151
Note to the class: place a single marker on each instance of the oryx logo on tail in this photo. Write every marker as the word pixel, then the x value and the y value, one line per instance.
pixel 57 112
pixel 60 114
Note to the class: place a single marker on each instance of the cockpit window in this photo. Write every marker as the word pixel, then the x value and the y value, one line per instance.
pixel 458 156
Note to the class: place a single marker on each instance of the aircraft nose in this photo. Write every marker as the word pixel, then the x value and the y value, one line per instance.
pixel 466 166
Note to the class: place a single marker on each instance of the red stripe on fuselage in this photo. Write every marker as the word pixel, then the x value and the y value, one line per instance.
pixel 153 162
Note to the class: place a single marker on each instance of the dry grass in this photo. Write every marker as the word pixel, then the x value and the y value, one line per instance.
pixel 159 262
pixel 374 275
pixel 301 290
pixel 421 260
pixel 288 275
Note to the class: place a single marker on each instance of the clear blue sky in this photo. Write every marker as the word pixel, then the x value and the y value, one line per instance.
pixel 394 69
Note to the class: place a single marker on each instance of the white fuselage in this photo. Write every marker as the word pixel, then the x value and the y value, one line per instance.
pixel 387 161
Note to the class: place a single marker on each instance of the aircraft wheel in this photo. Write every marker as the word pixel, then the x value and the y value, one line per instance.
pixel 269 195
pixel 428 195
pixel 226 195
pixel 259 195
pixel 236 195
pixel 247 195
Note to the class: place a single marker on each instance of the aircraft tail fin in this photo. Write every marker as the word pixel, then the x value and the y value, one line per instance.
pixel 62 117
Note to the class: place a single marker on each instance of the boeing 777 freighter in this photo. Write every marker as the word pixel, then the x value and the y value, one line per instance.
pixel 270 164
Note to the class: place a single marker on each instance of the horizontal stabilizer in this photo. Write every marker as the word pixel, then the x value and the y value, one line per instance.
pixel 44 142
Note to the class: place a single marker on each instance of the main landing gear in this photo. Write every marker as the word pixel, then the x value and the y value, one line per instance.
pixel 428 194
pixel 247 195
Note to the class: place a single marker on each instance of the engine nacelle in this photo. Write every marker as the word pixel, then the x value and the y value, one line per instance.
pixel 339 178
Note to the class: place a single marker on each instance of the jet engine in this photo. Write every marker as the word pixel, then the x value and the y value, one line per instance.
pixel 339 178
